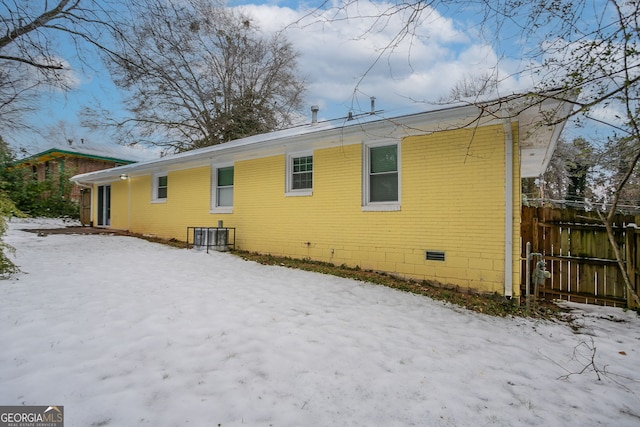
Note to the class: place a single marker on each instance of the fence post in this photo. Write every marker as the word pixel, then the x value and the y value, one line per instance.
pixel 528 278
pixel 630 255
pixel 535 237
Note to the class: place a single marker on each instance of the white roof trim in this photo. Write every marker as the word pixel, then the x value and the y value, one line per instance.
pixel 313 136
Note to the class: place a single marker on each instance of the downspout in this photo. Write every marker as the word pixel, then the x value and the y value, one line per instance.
pixel 128 203
pixel 508 205
pixel 82 184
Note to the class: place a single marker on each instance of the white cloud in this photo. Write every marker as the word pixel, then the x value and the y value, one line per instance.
pixel 613 114
pixel 63 79
pixel 349 55
pixel 338 60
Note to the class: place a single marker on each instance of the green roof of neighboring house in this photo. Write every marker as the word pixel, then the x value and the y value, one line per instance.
pixel 54 153
pixel 102 152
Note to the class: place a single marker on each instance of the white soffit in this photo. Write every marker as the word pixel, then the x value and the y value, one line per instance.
pixel 537 139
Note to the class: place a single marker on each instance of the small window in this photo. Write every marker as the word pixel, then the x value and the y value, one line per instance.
pixel 225 187
pixel 222 185
pixel 299 180
pixel 160 188
pixel 381 177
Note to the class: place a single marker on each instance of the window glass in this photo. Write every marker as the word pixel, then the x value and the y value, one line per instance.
pixel 163 183
pixel 384 159
pixel 384 188
pixel 302 174
pixel 383 173
pixel 225 176
pixel 224 188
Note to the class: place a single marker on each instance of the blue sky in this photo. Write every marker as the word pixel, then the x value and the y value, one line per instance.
pixel 341 61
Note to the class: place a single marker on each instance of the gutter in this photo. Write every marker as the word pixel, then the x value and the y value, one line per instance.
pixel 82 184
pixel 508 205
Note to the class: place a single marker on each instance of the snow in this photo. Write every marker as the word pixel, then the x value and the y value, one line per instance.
pixel 123 332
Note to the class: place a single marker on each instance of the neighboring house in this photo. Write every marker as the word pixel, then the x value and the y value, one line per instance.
pixel 60 163
pixel 428 196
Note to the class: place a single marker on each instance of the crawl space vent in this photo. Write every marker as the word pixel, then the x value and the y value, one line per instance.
pixel 435 255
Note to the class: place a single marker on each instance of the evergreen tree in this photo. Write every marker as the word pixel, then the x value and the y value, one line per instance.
pixel 578 164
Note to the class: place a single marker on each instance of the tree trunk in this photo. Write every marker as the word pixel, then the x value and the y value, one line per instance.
pixel 632 297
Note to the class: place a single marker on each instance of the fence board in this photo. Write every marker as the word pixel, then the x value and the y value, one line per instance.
pixel 579 255
pixel 574 277
pixel 591 279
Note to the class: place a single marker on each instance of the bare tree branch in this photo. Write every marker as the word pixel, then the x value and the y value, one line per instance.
pixel 197 74
pixel 31 63
pixel 37 22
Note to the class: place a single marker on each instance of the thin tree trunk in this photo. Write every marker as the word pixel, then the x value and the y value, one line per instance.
pixel 608 224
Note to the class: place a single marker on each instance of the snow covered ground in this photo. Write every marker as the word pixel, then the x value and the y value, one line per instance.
pixel 123 332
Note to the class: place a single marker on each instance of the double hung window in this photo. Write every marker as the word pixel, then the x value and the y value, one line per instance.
pixel 381 176
pixel 160 188
pixel 222 186
pixel 299 179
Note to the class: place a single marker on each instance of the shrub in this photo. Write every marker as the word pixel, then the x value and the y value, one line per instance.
pixel 7 209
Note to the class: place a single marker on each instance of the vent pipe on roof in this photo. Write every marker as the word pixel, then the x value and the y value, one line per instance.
pixel 314 113
pixel 373 105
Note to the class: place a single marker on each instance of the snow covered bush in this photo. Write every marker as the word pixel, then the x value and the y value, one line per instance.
pixel 7 208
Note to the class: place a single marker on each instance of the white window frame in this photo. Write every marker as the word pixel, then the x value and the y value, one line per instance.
pixel 367 205
pixel 155 185
pixel 214 208
pixel 289 190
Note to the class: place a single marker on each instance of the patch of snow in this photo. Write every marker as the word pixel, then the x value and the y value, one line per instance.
pixel 121 331
pixel 41 222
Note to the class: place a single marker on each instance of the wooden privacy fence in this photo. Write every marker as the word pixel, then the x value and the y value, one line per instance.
pixel 578 254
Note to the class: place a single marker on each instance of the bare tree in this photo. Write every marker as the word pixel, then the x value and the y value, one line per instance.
pixel 24 37
pixel 27 59
pixel 18 95
pixel 471 86
pixel 197 74
pixel 31 58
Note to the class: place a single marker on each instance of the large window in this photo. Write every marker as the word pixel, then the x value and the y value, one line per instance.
pixel 160 187
pixel 381 177
pixel 299 180
pixel 222 189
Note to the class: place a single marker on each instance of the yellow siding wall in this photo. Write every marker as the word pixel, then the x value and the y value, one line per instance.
pixel 119 201
pixel 187 204
pixel 452 200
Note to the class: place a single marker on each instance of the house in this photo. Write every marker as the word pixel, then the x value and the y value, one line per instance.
pixel 433 195
pixel 59 163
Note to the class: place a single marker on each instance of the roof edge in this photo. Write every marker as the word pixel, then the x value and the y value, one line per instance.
pixel 445 118
pixel 75 154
